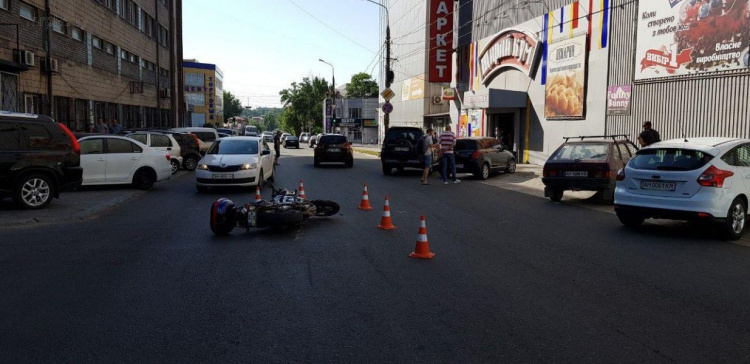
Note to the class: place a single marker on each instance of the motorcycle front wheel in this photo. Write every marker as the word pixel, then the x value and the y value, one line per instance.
pixel 325 207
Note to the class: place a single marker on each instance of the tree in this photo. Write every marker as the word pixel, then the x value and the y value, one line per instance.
pixel 232 106
pixel 362 86
pixel 303 103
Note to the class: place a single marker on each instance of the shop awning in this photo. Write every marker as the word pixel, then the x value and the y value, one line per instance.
pixel 13 67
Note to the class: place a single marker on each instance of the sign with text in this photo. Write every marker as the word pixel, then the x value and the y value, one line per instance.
pixel 511 48
pixel 412 88
pixel 441 41
pixel 678 38
pixel 566 79
pixel 618 100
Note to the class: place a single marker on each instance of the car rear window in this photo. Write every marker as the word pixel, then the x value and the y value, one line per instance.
pixel 587 151
pixel 332 139
pixel 234 146
pixel 408 134
pixel 465 145
pixel 669 159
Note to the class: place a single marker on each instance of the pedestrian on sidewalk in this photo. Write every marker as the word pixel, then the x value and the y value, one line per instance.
pixel 116 127
pixel 101 127
pixel 447 142
pixel 277 146
pixel 648 136
pixel 428 143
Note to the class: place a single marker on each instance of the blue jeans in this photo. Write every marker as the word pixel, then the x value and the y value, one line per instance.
pixel 448 157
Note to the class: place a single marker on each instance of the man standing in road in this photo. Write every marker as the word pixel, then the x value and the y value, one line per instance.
pixel 427 145
pixel 648 136
pixel 447 142
pixel 277 146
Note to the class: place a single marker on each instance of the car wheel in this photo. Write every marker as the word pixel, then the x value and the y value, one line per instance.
pixel 387 170
pixel 260 179
pixel 175 165
pixel 190 163
pixel 511 166
pixel 273 174
pixel 400 169
pixel 144 179
pixel 33 192
pixel 630 219
pixel 349 164
pixel 201 189
pixel 556 195
pixel 734 226
pixel 484 172
pixel 316 163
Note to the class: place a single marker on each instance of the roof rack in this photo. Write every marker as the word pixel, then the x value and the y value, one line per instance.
pixel 582 137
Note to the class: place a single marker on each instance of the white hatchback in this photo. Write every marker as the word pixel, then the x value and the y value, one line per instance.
pixel 235 161
pixel 694 179
pixel 111 159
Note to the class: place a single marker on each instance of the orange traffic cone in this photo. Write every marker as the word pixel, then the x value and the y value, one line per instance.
pixel 365 205
pixel 385 221
pixel 258 198
pixel 301 193
pixel 422 249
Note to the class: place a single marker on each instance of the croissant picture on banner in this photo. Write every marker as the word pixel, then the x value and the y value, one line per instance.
pixel 565 92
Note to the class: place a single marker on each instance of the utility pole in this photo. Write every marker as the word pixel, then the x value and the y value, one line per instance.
pixel 48 51
pixel 388 72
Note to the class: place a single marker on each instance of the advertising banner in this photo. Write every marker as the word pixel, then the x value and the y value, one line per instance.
pixel 566 79
pixel 688 37
pixel 618 100
pixel 412 88
pixel 441 41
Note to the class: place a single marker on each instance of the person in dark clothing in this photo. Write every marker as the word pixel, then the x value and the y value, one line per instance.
pixel 277 146
pixel 648 136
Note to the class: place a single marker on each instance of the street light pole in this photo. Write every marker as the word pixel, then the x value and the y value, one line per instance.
pixel 388 72
pixel 333 81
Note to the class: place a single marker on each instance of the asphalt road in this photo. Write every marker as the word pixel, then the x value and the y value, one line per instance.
pixel 515 279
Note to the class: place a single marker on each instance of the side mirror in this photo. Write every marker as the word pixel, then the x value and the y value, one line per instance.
pixel 265 152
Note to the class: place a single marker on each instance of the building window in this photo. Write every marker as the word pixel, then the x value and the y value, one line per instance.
pixel 163 36
pixel 76 33
pixel 96 42
pixel 58 25
pixel 27 11
pixel 124 54
pixel 149 24
pixel 151 66
pixel 355 113
pixel 133 58
pixel 110 48
pixel 4 4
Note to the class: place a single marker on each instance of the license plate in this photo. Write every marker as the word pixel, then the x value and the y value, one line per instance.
pixel 459 165
pixel 334 150
pixel 576 174
pixel 222 176
pixel 252 219
pixel 401 149
pixel 658 185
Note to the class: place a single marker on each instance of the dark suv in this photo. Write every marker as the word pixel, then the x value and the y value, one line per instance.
pixel 587 164
pixel 38 159
pixel 189 148
pixel 402 149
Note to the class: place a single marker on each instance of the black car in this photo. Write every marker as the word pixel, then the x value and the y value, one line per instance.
pixel 589 163
pixel 38 159
pixel 402 148
pixel 333 148
pixel 483 156
pixel 291 141
pixel 189 148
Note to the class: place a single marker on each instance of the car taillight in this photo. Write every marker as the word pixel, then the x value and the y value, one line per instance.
pixel 76 145
pixel 197 141
pixel 714 177
pixel 602 174
pixel 549 173
pixel 621 174
pixel 169 157
pixel 476 155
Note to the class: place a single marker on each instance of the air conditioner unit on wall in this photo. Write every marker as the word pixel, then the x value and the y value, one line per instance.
pixel 437 100
pixel 49 64
pixel 165 93
pixel 24 57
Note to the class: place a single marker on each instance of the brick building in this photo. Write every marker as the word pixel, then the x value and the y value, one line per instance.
pixel 96 58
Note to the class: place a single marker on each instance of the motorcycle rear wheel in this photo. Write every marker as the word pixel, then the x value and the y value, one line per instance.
pixel 325 207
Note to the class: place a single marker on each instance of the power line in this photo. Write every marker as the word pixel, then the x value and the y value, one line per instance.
pixel 329 27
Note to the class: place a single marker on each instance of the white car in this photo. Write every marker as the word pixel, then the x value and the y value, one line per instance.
pixel 235 161
pixel 163 142
pixel 111 159
pixel 693 179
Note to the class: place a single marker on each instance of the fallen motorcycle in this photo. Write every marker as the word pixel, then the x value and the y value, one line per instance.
pixel 285 209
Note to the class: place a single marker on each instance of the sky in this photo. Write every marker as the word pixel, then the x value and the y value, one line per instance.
pixel 262 46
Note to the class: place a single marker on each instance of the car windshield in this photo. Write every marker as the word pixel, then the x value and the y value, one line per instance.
pixel 669 159
pixel 411 135
pixel 466 144
pixel 583 151
pixel 234 146
pixel 332 139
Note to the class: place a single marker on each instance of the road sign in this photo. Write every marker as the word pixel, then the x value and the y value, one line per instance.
pixel 387 107
pixel 387 94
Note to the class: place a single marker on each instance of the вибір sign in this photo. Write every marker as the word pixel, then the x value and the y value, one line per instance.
pixel 441 41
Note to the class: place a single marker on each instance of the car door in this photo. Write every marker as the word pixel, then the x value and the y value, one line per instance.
pixel 739 158
pixel 93 160
pixel 123 157
pixel 163 143
pixel 266 161
pixel 11 152
pixel 494 152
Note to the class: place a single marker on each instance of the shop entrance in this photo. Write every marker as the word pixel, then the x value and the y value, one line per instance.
pixel 502 126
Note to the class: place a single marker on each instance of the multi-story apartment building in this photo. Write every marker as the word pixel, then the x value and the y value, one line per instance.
pixel 81 60
pixel 204 93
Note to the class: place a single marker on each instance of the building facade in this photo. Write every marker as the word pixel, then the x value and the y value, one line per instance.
pixel 82 60
pixel 535 72
pixel 203 93
pixel 357 118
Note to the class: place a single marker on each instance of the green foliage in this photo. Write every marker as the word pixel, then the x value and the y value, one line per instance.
pixel 232 106
pixel 362 86
pixel 303 105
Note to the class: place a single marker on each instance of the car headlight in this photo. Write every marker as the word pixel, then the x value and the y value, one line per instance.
pixel 203 167
pixel 249 166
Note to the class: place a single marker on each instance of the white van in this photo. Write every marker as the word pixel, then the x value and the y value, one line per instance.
pixel 207 136
pixel 251 130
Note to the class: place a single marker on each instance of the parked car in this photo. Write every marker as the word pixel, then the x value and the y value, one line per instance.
pixel 483 156
pixel 304 138
pixel 189 148
pixel 228 131
pixel 206 136
pixel 38 159
pixel 283 137
pixel 251 130
pixel 588 163
pixel 700 179
pixel 235 161
pixel 402 148
pixel 112 159
pixel 291 141
pixel 333 148
pixel 161 141
pixel 314 139
pixel 268 136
